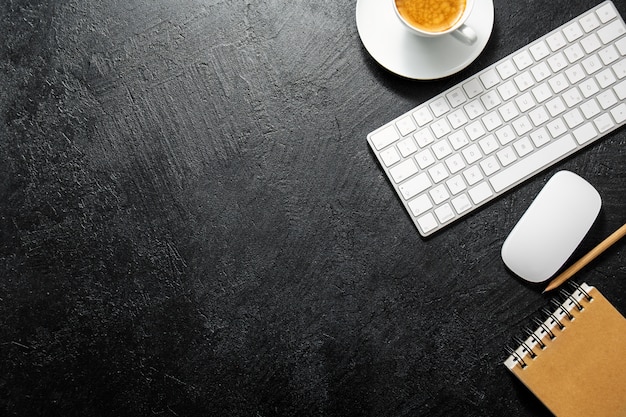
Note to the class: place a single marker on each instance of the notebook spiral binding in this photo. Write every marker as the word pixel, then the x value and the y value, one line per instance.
pixel 565 311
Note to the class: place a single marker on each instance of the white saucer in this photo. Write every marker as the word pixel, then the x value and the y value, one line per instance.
pixel 412 56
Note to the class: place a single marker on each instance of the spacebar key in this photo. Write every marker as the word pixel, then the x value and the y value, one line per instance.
pixel 532 163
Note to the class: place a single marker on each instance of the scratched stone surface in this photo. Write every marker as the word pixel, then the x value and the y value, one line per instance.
pixel 192 223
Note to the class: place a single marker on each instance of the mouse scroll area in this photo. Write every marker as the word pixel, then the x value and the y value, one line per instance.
pixel 552 227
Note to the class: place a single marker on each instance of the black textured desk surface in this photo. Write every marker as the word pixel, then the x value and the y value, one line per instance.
pixel 192 223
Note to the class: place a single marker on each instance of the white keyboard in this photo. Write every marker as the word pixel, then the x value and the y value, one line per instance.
pixel 473 142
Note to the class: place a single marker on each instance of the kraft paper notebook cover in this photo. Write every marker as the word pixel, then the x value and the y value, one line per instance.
pixel 575 362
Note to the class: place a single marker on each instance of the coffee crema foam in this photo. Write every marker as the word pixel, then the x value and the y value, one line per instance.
pixel 431 15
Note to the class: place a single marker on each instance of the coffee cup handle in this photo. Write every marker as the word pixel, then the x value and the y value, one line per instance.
pixel 465 34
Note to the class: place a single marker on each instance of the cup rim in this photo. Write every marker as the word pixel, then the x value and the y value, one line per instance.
pixel 469 5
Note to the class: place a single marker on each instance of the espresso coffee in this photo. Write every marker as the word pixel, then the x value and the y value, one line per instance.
pixel 431 15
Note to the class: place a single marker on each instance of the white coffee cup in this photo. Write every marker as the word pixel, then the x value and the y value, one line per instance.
pixel 459 29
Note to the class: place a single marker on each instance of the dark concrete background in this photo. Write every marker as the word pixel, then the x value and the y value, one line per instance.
pixel 192 223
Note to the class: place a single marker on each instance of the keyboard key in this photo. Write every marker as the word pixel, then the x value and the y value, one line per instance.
pixel 621 46
pixel 422 116
pixel 606 99
pixel 405 125
pixel 474 109
pixel 556 128
pixel 489 165
pixel 455 163
pixel 589 22
pixel 425 158
pixel 480 193
pixel 620 69
pixel 456 184
pixel 471 154
pixel 556 41
pixel 590 43
pixel 439 107
pixel 522 60
pixel 572 97
pixel 557 62
pixel 473 175
pixel 457 119
pixel 489 144
pixel 390 156
pixel 574 52
pixel 439 194
pixel 490 100
pixel 604 123
pixel 505 135
pixel 619 113
pixel 592 64
pixel 415 186
pixel 506 156
pixel 573 118
pixel 442 149
pixel 407 147
pixel 438 173
pixel 575 74
pixel 606 13
pixel 507 90
pixel 491 121
pixel 524 81
pixel 523 147
pixel 427 222
pixel 573 32
pixel 525 102
pixel 403 170
pixel 584 133
pixel 522 125
pixel 540 137
pixel 605 78
pixel 489 78
pixel 590 108
pixel 539 116
pixel 475 130
pixel 609 54
pixel 420 205
pixel 461 203
pixel 506 69
pixel 539 50
pixel 589 87
pixel 440 128
pixel 542 93
pixel 456 97
pixel 384 137
pixel 444 213
pixel 424 138
pixel 540 71
pixel 458 140
pixel 611 32
pixel 555 106
pixel 620 90
pixel 472 88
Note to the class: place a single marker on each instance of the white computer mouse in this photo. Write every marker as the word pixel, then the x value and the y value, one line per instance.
pixel 552 227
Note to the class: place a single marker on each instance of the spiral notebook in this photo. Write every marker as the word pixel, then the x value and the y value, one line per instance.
pixel 575 361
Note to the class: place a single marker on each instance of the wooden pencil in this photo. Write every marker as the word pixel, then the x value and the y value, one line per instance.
pixel 593 253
